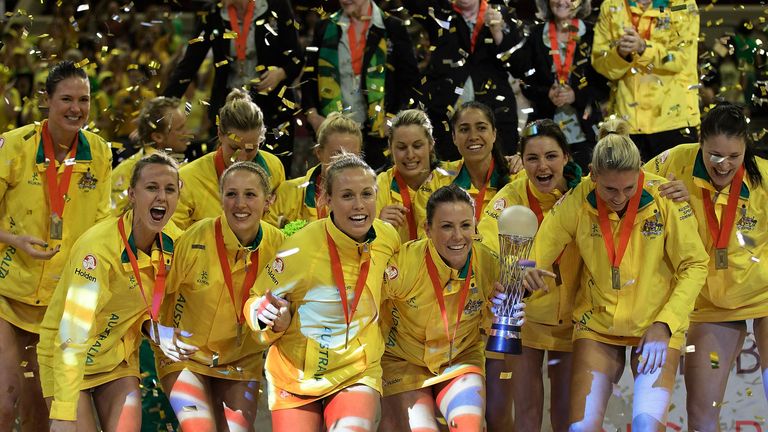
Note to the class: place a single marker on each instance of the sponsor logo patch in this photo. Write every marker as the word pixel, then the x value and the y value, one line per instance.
pixel 89 262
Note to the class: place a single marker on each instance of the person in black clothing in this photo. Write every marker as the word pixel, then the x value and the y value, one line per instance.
pixel 363 63
pixel 264 57
pixel 564 86
pixel 475 48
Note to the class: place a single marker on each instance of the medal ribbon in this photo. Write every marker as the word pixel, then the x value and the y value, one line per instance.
pixel 218 162
pixel 241 42
pixel 438 287
pixel 56 190
pixel 159 289
pixel 405 194
pixel 563 69
pixel 479 22
pixel 721 233
pixel 356 47
pixel 250 275
pixel 338 276
pixel 615 256
pixel 534 205
pixel 635 21
pixel 480 198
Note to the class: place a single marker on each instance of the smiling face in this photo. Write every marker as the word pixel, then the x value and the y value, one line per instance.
pixel 544 161
pixel 451 230
pixel 411 150
pixel 240 145
pixel 723 155
pixel 562 9
pixel 354 8
pixel 616 188
pixel 69 105
pixel 243 200
pixel 474 135
pixel 353 202
pixel 154 197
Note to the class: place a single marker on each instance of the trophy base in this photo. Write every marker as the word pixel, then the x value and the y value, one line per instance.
pixel 505 339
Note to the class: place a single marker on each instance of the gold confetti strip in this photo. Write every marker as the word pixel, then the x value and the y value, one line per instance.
pixel 29 374
pixel 230 35
pixel 714 360
pixel 221 63
pixel 690 348
pixel 195 40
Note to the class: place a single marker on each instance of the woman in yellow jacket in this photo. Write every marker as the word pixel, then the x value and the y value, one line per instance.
pixel 405 188
pixel 241 133
pixel 434 358
pixel 647 49
pixel 643 267
pixel 215 264
pixel 54 185
pixel 161 126
pixel 111 290
pixel 324 366
pixel 482 169
pixel 304 198
pixel 550 173
pixel 729 197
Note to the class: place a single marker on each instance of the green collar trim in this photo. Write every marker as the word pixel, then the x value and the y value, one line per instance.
pixel 309 197
pixel 167 247
pixel 645 199
pixel 464 181
pixel 700 171
pixel 83 149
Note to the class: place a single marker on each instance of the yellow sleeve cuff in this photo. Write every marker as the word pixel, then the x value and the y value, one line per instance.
pixel 671 320
pixel 63 410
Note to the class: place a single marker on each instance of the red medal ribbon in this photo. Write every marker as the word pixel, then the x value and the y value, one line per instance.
pixel 438 287
pixel 241 42
pixel 535 205
pixel 480 198
pixel 357 47
pixel 627 222
pixel 218 162
pixel 250 275
pixel 721 233
pixel 56 190
pixel 563 69
pixel 635 21
pixel 338 276
pixel 479 22
pixel 159 289
pixel 405 194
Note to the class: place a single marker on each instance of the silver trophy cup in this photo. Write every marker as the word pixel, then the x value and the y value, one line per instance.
pixel 517 227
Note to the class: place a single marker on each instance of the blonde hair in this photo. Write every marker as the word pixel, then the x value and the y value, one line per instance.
pixel 615 153
pixel 613 125
pixel 156 117
pixel 337 122
pixel 247 166
pixel 239 112
pixel 344 161
pixel 412 117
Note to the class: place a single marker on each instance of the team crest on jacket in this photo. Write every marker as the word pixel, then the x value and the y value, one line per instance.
pixel 87 181
pixel 392 272
pixel 746 223
pixel 89 262
pixel 652 227
pixel 500 204
pixel 278 265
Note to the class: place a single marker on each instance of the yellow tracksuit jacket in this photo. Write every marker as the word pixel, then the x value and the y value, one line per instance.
pixel 296 199
pixel 26 284
pixel 459 175
pixel 199 301
pixel 92 330
pixel 388 193
pixel 553 308
pixel 200 196
pixel 662 271
pixel 121 179
pixel 738 292
pixel 310 358
pixel 417 348
pixel 655 91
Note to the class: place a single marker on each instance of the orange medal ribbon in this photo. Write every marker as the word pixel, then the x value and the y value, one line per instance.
pixel 357 47
pixel 479 22
pixel 721 233
pixel 241 42
pixel 405 194
pixel 250 275
pixel 563 69
pixel 159 289
pixel 338 277
pixel 57 190
pixel 480 198
pixel 438 287
pixel 615 256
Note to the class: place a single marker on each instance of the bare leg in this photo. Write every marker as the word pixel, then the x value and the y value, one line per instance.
pixel 559 367
pixel 409 411
pixel 705 380
pixel 653 393
pixel 528 391
pixel 118 404
pixel 306 418
pixel 499 387
pixel 235 404
pixel 760 327
pixel 189 394
pixel 356 408
pixel 462 402
pixel 596 367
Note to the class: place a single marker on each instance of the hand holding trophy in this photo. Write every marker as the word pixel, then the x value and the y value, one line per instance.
pixel 517 227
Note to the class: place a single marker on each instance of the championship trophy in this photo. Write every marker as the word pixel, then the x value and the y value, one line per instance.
pixel 517 227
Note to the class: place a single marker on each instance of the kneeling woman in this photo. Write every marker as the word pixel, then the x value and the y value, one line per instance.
pixel 434 350
pixel 324 367
pixel 109 291
pixel 643 268
pixel 212 283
